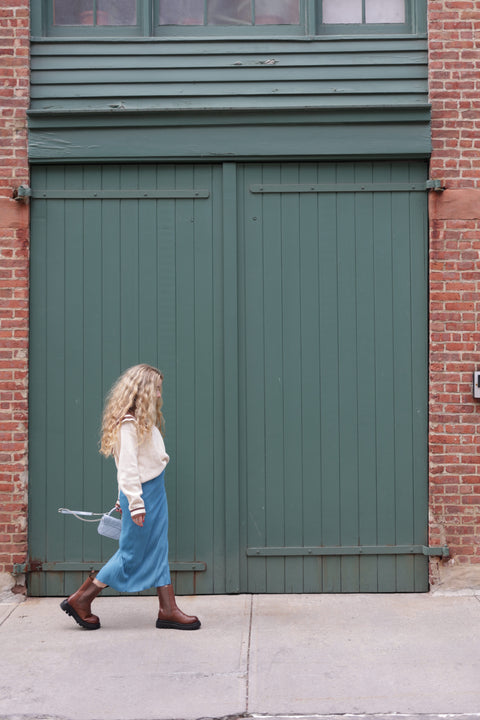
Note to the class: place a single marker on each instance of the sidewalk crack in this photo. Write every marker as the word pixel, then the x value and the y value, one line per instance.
pixel 249 647
pixel 10 612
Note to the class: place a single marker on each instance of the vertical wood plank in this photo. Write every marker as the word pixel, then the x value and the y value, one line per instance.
pixel 309 449
pixel 219 554
pixel 129 272
pixel 204 374
pixel 402 349
pixel 329 378
pixel 254 379
pixel 166 274
pixel 274 378
pixel 365 379
pixel 92 345
pixel 232 549
pixel 348 396
pixel 74 367
pixel 55 386
pixel 55 371
pixel 243 420
pixel 147 268
pixel 292 386
pixel 384 363
pixel 185 349
pixel 111 320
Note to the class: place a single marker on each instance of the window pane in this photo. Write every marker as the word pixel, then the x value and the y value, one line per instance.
pixel 66 12
pixel 181 12
pixel 116 12
pixel 229 12
pixel 277 12
pixel 342 11
pixel 385 11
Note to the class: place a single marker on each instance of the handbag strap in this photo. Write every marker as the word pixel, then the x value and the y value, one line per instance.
pixel 78 513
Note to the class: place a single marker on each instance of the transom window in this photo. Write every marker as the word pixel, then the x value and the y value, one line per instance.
pixel 202 18
pixel 89 13
pixel 227 12
pixel 361 12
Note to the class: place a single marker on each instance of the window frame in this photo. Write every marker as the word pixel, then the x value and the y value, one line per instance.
pixel 147 27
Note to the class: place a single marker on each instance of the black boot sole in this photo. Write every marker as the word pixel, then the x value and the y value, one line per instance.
pixel 66 607
pixel 177 626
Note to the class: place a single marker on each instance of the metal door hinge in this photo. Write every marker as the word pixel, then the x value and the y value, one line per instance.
pixel 28 567
pixel 22 193
pixel 436 551
pixel 435 185
pixel 337 550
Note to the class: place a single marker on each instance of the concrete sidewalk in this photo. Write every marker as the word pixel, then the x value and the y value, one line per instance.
pixel 262 654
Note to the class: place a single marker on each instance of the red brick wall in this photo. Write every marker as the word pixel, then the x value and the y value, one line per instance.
pixel 454 30
pixel 14 251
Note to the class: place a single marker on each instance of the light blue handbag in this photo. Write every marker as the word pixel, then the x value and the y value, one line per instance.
pixel 108 526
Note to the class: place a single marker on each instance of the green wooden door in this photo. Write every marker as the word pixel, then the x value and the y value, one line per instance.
pixel 289 318
pixel 333 377
pixel 126 268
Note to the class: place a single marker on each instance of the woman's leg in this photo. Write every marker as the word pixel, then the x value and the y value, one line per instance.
pixel 169 615
pixel 78 605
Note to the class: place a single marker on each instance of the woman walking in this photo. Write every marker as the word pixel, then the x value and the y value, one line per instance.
pixel 132 432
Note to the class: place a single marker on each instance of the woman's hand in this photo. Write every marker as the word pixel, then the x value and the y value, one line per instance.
pixel 117 507
pixel 139 519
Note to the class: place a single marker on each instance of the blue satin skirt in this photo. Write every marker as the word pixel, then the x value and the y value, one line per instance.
pixel 141 561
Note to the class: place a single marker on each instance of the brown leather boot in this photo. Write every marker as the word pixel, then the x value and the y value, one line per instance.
pixel 169 615
pixel 78 605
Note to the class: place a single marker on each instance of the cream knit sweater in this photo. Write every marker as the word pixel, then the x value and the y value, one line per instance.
pixel 136 464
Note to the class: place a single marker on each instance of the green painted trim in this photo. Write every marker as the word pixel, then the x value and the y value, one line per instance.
pixel 100 118
pixel 45 45
pixel 261 140
pixel 37 16
pixel 153 117
pixel 382 132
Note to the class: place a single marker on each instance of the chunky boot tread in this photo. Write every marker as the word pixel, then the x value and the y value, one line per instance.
pixel 177 626
pixel 66 607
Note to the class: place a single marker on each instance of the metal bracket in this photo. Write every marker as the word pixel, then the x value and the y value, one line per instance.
pixel 339 550
pixel 437 551
pixel 88 194
pixel 340 187
pixel 28 567
pixel 22 193
pixel 435 185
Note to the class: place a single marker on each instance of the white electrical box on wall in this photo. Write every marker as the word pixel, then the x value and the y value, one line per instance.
pixel 476 384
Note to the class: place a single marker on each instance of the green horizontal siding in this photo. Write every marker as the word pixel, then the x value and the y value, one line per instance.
pixel 267 138
pixel 240 74
pixel 225 46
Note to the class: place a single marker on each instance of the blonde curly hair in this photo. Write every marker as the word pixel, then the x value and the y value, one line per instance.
pixel 136 392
